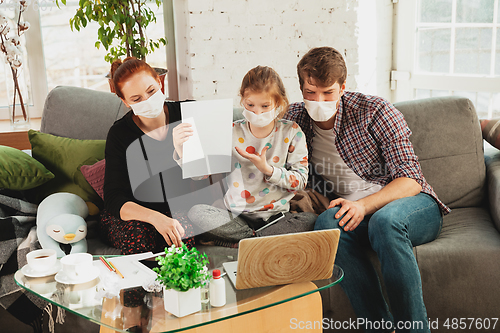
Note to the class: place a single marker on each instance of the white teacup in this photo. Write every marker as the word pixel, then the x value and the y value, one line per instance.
pixel 41 260
pixel 43 288
pixel 77 265
pixel 83 297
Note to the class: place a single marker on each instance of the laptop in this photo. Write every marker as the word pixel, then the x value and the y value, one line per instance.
pixel 284 259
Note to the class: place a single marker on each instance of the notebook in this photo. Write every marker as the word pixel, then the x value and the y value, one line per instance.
pixel 283 259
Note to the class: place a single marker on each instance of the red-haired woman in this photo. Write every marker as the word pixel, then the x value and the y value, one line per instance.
pixel 131 222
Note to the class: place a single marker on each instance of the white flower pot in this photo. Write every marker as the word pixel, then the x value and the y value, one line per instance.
pixel 182 303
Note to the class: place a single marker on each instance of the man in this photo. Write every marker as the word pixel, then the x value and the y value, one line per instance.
pixel 362 158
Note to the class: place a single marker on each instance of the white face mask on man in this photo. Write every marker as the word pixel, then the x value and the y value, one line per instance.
pixel 260 120
pixel 150 108
pixel 321 111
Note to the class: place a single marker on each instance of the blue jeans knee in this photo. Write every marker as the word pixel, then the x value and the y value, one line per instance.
pixel 327 220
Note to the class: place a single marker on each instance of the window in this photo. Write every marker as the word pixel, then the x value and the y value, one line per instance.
pixel 71 57
pixel 59 56
pixel 449 47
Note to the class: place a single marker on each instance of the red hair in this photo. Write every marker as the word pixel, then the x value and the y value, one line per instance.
pixel 121 71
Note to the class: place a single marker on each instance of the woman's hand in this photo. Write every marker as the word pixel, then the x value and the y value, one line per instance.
pixel 170 229
pixel 354 213
pixel 259 160
pixel 181 134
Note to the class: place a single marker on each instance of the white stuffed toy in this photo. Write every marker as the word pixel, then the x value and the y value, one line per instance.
pixel 61 219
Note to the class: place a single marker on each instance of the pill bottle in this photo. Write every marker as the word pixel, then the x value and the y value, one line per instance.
pixel 217 289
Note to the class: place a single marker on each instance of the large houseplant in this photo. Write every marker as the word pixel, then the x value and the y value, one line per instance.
pixel 182 273
pixel 122 26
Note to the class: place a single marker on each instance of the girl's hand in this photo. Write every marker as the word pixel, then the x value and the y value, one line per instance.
pixel 171 230
pixel 259 160
pixel 354 213
pixel 181 134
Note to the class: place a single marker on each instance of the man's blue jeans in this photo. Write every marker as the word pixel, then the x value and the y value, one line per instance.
pixel 392 232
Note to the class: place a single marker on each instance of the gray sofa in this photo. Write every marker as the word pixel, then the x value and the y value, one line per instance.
pixel 459 270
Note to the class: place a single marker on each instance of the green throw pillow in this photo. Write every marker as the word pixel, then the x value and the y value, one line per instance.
pixel 19 171
pixel 64 156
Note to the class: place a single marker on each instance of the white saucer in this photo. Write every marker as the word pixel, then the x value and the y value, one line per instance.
pixel 30 272
pixel 61 277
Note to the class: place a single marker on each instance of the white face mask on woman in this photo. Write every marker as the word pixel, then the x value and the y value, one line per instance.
pixel 150 108
pixel 321 111
pixel 260 120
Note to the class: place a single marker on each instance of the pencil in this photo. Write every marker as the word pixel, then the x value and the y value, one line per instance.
pixel 116 270
pixel 111 267
pixel 105 263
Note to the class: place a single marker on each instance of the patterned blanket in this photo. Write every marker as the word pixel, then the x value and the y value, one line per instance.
pixel 17 238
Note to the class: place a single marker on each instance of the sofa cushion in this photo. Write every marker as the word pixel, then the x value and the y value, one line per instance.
pixel 94 175
pixel 80 113
pixel 448 142
pixel 460 264
pixel 19 171
pixel 63 156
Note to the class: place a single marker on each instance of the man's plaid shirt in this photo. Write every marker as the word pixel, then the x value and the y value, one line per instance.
pixel 372 138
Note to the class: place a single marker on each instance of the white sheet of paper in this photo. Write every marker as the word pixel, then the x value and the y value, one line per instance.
pixel 133 275
pixel 192 149
pixel 213 124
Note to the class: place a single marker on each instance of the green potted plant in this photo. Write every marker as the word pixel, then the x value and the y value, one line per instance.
pixel 182 273
pixel 122 27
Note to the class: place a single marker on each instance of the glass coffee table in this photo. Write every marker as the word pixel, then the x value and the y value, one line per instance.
pixel 137 310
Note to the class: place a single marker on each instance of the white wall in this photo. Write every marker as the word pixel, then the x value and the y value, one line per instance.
pixel 375 31
pixel 226 38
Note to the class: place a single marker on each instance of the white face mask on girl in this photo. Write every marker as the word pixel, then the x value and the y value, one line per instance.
pixel 321 111
pixel 260 120
pixel 150 108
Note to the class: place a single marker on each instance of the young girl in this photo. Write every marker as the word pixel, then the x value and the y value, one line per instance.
pixel 269 166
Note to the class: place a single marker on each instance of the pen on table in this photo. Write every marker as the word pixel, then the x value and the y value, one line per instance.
pixel 110 266
pixel 116 270
pixel 106 263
